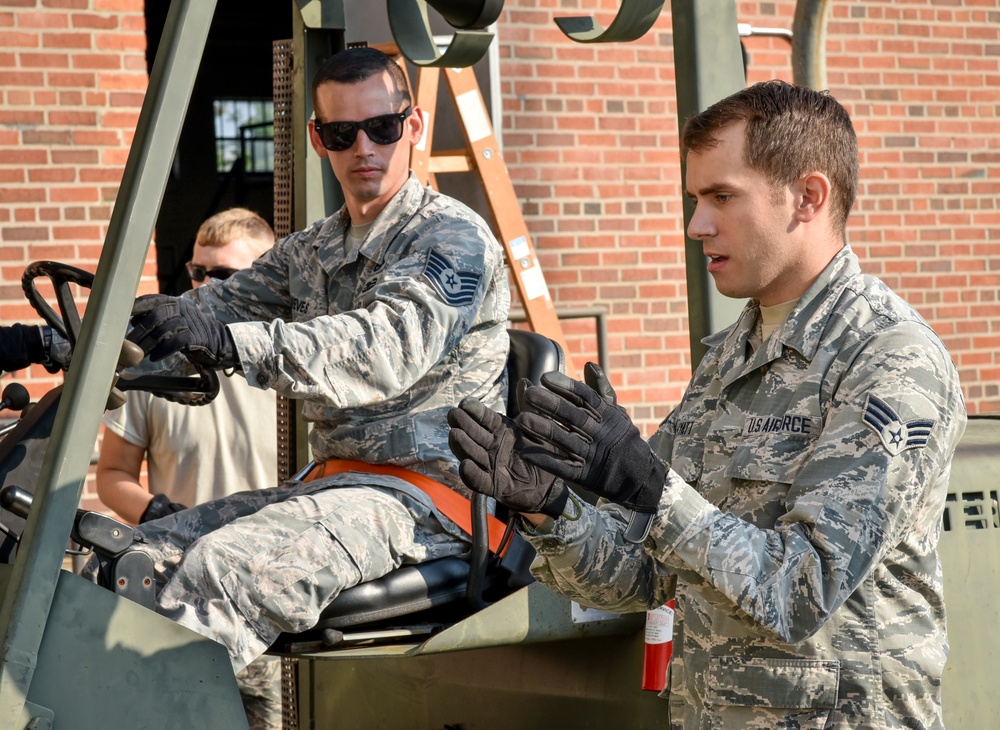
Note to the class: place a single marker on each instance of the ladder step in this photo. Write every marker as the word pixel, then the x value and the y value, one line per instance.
pixel 450 161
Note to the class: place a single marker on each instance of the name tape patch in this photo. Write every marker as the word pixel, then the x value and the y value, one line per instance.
pixel 789 423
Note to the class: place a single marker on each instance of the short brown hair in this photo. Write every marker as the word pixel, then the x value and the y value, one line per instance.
pixel 791 131
pixel 354 65
pixel 225 227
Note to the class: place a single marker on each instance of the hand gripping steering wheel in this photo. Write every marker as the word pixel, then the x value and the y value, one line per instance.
pixel 193 390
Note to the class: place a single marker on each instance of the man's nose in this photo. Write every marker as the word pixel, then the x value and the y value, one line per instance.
pixel 701 226
pixel 363 145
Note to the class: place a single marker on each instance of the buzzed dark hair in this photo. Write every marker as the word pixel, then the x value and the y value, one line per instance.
pixel 354 65
pixel 791 131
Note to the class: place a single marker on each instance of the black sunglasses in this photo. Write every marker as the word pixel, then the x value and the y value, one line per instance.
pixel 383 129
pixel 198 273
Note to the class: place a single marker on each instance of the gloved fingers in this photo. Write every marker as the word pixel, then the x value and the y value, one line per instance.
pixel 157 346
pixel 594 377
pixel 566 468
pixel 165 347
pixel 468 447
pixel 577 393
pixel 151 303
pixel 456 416
pixel 485 417
pixel 475 478
pixel 149 316
pixel 159 337
pixel 480 422
pixel 545 432
pixel 155 323
pixel 522 385
pixel 141 329
pixel 199 321
pixel 566 411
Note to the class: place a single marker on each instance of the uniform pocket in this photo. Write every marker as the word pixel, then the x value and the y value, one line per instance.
pixel 287 585
pixel 774 458
pixel 765 692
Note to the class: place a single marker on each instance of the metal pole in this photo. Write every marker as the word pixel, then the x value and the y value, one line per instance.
pixel 318 33
pixel 808 44
pixel 28 598
pixel 708 67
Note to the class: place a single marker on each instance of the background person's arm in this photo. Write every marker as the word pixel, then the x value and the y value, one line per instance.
pixel 118 485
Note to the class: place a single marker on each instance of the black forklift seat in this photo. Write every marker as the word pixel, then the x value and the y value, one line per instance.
pixel 463 585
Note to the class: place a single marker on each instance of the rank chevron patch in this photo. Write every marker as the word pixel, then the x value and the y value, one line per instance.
pixel 457 288
pixel 895 435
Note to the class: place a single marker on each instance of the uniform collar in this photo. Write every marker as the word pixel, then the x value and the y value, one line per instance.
pixel 394 216
pixel 806 323
pixel 802 329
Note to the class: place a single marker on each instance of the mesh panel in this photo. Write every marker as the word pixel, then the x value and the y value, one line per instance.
pixel 289 693
pixel 282 51
pixel 283 81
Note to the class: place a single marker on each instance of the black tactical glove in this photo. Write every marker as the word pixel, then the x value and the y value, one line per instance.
pixel 163 325
pixel 488 445
pixel 596 444
pixel 22 345
pixel 159 506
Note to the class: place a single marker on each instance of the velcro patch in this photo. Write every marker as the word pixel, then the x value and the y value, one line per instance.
pixel 789 424
pixel 457 288
pixel 894 434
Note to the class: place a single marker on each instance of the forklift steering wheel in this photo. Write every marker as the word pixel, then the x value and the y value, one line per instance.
pixel 191 390
pixel 61 276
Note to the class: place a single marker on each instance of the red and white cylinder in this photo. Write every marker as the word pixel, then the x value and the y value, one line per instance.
pixel 659 644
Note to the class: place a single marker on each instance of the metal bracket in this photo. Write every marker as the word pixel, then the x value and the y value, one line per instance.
pixel 412 31
pixel 634 18
pixel 36 717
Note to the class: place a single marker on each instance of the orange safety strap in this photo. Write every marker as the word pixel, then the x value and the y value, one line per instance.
pixel 450 503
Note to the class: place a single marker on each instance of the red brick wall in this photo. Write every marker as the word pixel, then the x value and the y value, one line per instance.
pixel 922 80
pixel 590 136
pixel 72 80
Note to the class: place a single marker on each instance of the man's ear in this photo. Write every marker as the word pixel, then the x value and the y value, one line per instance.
pixel 415 126
pixel 315 140
pixel 813 196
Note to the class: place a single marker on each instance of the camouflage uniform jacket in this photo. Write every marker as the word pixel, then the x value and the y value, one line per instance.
pixel 799 522
pixel 381 341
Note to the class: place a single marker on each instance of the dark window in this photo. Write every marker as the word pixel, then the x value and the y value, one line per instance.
pixel 244 130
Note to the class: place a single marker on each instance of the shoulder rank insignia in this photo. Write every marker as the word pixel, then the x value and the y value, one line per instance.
pixel 457 288
pixel 895 435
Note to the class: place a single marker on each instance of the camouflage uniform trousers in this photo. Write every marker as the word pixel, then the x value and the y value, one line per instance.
pixel 260 690
pixel 242 569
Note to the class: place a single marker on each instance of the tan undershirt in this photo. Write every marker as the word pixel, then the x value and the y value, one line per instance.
pixel 355 235
pixel 773 317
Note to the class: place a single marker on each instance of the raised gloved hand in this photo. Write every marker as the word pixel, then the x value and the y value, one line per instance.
pixel 488 445
pixel 596 445
pixel 159 506
pixel 163 325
